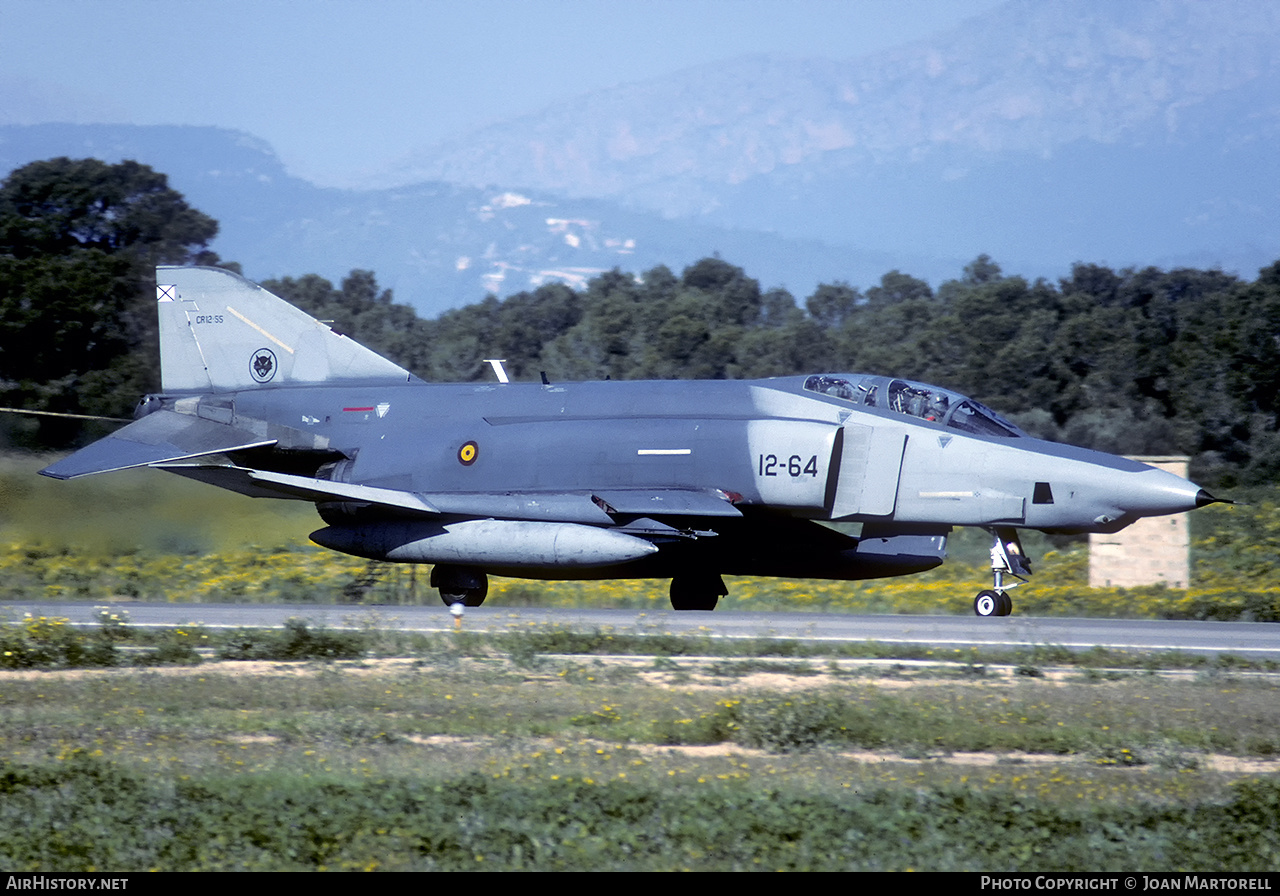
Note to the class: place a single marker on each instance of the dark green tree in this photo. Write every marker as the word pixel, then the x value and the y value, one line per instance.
pixel 79 240
pixel 896 287
pixel 833 303
pixel 61 205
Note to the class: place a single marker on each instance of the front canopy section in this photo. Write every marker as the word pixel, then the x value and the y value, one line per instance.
pixel 920 400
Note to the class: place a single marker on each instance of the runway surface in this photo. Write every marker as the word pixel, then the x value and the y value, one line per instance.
pixel 1256 640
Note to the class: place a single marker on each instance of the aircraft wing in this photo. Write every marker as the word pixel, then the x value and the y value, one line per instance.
pixel 603 508
pixel 267 484
pixel 668 502
pixel 160 437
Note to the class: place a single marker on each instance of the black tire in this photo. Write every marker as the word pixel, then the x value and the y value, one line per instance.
pixel 460 585
pixel 697 592
pixel 1006 603
pixel 989 603
pixel 471 598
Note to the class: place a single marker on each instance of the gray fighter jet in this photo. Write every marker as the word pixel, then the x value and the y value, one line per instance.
pixel 679 480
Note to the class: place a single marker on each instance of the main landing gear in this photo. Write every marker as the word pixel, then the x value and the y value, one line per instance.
pixel 460 585
pixel 697 591
pixel 1007 558
pixel 469 586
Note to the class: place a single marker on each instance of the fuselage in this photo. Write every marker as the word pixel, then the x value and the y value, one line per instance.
pixel 771 445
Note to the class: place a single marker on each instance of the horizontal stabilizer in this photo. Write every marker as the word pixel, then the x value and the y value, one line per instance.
pixel 159 437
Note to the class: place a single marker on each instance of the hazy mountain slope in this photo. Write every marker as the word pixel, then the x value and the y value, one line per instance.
pixel 1027 77
pixel 436 245
pixel 1042 132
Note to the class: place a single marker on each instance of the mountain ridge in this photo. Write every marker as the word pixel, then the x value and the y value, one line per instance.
pixel 1027 76
pixel 1040 134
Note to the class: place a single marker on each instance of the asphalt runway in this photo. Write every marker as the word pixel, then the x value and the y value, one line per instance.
pixel 1254 640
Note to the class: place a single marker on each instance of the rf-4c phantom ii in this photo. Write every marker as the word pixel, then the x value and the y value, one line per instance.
pixel 597 480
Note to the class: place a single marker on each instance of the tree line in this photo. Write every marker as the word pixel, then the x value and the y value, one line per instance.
pixel 1135 361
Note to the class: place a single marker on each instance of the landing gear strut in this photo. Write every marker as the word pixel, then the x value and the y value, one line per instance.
pixel 1007 558
pixel 697 591
pixel 460 585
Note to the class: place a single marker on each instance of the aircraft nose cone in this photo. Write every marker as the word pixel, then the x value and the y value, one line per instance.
pixel 1157 492
pixel 1204 499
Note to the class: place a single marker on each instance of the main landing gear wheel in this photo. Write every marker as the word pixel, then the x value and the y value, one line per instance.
pixel 992 603
pixel 460 585
pixel 699 591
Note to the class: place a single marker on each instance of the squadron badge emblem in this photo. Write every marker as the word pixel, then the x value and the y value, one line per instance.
pixel 262 367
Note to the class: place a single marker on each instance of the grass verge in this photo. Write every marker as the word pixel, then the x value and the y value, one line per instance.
pixel 475 753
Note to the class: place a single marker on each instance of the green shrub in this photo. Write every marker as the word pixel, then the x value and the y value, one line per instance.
pixel 784 723
pixel 176 647
pixel 80 813
pixel 51 641
pixel 714 727
pixel 297 641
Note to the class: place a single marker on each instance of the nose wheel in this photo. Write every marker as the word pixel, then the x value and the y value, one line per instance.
pixel 992 603
pixel 1007 558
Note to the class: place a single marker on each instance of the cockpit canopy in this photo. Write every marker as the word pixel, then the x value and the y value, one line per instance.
pixel 914 400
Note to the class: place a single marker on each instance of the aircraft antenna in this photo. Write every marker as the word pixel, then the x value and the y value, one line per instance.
pixel 498 371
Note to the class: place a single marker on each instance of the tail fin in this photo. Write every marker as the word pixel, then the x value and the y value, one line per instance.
pixel 222 333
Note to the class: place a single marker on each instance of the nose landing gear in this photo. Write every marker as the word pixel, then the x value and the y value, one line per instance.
pixel 992 603
pixel 1007 558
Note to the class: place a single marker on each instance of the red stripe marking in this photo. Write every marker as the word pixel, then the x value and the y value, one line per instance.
pixel 370 408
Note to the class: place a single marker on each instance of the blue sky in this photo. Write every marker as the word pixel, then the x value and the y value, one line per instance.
pixel 341 87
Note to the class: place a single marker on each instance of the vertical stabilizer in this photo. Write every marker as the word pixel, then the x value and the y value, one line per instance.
pixel 222 333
